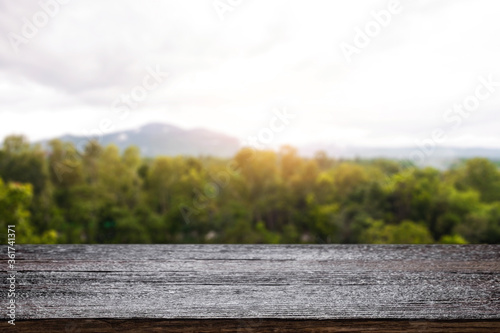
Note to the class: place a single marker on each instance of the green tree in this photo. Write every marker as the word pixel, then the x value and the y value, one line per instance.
pixel 407 232
pixel 15 199
pixel 482 175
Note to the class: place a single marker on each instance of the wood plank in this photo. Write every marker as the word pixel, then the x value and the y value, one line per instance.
pixel 332 285
pixel 256 325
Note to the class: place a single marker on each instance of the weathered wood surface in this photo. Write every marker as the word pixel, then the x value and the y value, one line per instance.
pixel 412 284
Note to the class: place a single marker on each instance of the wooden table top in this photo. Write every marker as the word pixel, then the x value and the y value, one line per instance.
pixel 253 286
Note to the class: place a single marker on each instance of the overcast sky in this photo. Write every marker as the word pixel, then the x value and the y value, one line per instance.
pixel 229 68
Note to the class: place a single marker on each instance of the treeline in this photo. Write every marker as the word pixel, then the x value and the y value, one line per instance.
pixel 99 195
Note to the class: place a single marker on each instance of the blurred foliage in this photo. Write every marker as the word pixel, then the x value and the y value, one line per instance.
pixel 97 194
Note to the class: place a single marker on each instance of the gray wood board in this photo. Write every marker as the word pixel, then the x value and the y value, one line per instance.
pixel 429 282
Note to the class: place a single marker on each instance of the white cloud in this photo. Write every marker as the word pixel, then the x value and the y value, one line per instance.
pixel 228 75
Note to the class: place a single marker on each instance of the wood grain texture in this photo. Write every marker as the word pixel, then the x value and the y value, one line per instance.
pixel 398 284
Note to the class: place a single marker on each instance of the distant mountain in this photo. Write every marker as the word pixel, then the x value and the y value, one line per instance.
pixel 397 152
pixel 441 157
pixel 163 139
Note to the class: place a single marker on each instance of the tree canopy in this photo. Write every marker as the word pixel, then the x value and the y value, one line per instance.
pixel 104 195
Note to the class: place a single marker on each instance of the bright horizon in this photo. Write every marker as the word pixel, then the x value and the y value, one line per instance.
pixel 229 75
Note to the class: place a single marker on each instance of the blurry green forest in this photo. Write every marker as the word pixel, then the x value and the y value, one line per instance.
pixel 102 195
